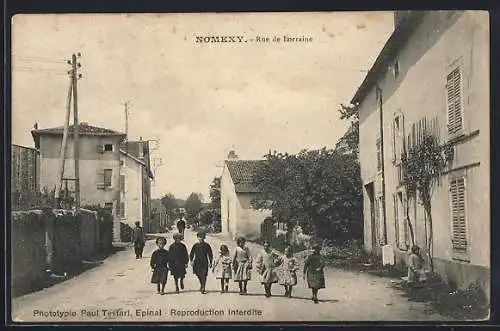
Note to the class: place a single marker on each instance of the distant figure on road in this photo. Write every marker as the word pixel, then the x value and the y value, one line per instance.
pixel 138 240
pixel 314 273
pixel 266 265
pixel 288 276
pixel 222 268
pixel 159 265
pixel 242 264
pixel 179 260
pixel 201 259
pixel 181 225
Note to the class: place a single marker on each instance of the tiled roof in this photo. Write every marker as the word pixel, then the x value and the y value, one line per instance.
pixel 84 129
pixel 242 172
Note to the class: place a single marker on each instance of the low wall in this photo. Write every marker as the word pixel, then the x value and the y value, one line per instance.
pixel 29 257
pixel 51 239
pixel 89 233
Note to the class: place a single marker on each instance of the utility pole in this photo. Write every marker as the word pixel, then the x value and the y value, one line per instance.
pixel 76 129
pixel 62 157
pixel 382 161
pixel 126 120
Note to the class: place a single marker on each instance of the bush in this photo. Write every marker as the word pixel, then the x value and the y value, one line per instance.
pixel 126 232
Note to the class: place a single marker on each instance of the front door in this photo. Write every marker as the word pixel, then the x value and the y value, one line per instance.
pixel 373 219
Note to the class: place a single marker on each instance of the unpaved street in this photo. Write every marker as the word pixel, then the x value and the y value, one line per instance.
pixel 120 290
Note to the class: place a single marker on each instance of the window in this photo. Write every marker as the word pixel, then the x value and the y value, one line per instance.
pixel 108 174
pixel 122 183
pixel 397 136
pixel 379 154
pixel 396 69
pixel 122 209
pixel 108 147
pixel 454 101
pixel 458 216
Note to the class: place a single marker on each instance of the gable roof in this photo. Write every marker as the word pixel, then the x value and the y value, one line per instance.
pixel 150 173
pixel 242 172
pixel 84 129
pixel 394 44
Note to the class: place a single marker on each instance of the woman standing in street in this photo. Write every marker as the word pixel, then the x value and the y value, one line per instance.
pixel 242 264
pixel 314 273
pixel 266 265
pixel 179 260
pixel 201 259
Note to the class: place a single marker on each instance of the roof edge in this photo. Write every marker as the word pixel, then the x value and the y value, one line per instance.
pixel 392 46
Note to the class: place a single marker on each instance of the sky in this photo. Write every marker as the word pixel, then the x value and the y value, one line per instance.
pixel 199 100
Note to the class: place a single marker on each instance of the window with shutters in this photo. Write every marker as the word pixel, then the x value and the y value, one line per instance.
pixel 454 101
pixel 108 174
pixel 108 147
pixel 458 215
pixel 122 183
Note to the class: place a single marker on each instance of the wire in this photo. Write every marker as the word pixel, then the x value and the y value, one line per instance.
pixel 46 72
pixel 41 69
pixel 39 59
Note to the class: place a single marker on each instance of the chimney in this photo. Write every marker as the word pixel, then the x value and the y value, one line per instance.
pixel 84 123
pixel 35 126
pixel 232 155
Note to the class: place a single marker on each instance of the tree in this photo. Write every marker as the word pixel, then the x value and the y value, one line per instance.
pixel 319 190
pixel 423 164
pixel 215 203
pixel 193 207
pixel 169 203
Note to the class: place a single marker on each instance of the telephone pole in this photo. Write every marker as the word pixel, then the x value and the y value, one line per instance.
pixel 126 120
pixel 76 128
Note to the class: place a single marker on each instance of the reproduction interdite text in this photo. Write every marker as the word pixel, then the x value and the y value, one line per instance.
pixel 144 313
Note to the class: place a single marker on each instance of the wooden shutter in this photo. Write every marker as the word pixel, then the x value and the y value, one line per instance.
pixel 122 183
pixel 454 101
pixel 100 148
pixel 108 175
pixel 100 179
pixel 459 235
pixel 379 154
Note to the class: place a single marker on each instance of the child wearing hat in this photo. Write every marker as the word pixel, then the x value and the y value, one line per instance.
pixel 201 259
pixel 222 268
pixel 314 273
pixel 179 260
pixel 159 265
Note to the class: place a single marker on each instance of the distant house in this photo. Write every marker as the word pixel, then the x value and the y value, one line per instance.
pixel 99 165
pixel 433 72
pixel 25 186
pixel 135 185
pixel 237 191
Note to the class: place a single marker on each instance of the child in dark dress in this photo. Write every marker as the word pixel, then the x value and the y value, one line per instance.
pixel 159 265
pixel 201 259
pixel 179 260
pixel 313 272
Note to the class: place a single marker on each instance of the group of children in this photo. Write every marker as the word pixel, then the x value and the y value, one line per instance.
pixel 271 267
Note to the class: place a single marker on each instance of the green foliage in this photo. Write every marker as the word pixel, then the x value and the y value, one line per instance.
pixel 215 193
pixel 318 189
pixel 168 201
pixel 422 165
pixel 193 207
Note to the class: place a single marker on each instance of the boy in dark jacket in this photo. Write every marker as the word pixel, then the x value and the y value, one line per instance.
pixel 201 259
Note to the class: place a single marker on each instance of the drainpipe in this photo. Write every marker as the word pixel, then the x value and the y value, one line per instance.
pixel 381 119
